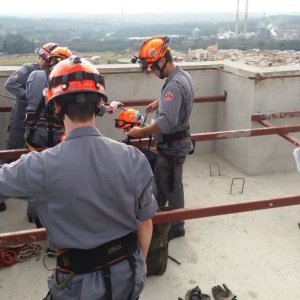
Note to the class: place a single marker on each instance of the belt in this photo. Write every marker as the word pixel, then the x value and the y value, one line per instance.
pixel 168 138
pixel 80 261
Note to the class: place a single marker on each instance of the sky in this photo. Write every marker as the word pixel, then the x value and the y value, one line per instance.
pixel 34 7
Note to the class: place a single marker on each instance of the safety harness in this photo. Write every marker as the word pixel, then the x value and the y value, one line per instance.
pixel 173 159
pixel 178 135
pixel 43 116
pixel 101 258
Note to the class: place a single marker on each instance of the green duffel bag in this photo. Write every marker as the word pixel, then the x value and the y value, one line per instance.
pixel 157 258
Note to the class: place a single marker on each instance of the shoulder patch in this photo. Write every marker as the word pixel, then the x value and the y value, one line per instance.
pixel 168 96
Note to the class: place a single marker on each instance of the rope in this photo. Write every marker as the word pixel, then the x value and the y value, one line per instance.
pixel 12 98
pixel 12 255
pixel 8 97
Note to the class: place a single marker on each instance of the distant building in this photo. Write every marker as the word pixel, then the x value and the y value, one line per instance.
pixel 264 34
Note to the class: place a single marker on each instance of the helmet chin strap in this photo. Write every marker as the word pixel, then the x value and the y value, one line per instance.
pixel 161 71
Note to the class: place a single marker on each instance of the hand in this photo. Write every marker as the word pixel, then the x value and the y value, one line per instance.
pixel 152 106
pixel 222 293
pixel 135 132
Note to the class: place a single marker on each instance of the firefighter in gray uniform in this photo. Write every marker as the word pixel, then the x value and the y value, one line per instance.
pixel 171 126
pixel 90 195
pixel 16 85
pixel 43 128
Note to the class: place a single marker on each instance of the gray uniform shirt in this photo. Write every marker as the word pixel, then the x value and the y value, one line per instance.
pixel 88 190
pixel 175 107
pixel 16 85
pixel 35 85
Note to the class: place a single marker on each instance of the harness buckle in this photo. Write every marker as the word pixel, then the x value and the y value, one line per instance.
pixel 65 282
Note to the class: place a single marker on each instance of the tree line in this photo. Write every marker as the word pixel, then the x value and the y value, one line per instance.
pixel 21 35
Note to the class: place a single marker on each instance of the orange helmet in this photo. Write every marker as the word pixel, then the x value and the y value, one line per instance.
pixel 46 50
pixel 151 51
pixel 74 75
pixel 58 54
pixel 128 118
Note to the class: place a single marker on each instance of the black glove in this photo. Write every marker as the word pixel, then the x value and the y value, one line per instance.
pixel 223 293
pixel 195 294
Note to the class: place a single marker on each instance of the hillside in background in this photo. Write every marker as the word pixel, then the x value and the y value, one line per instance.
pixel 117 33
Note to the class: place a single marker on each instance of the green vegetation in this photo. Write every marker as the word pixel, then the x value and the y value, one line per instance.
pixel 112 33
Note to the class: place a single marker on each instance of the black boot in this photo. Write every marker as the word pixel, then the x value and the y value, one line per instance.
pixel 2 206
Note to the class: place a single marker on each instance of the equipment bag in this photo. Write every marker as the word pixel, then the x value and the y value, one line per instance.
pixel 157 258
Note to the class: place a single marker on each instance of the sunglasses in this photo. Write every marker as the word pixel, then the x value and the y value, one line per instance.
pixel 146 66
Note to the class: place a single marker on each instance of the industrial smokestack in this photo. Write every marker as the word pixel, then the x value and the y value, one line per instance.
pixel 246 18
pixel 237 17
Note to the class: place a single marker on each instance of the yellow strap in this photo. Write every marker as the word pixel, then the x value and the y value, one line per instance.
pixel 30 147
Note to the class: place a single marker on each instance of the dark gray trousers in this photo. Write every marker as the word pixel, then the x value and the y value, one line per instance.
pixel 168 183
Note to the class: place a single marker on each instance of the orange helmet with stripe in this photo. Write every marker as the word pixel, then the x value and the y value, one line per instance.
pixel 128 118
pixel 74 75
pixel 59 54
pixel 151 51
pixel 46 50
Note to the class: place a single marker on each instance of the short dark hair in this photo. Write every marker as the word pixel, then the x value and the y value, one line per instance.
pixel 79 107
pixel 168 56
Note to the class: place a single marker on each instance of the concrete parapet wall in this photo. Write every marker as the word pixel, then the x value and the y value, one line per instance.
pixel 249 90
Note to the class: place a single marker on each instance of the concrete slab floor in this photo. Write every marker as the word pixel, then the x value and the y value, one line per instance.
pixel 257 254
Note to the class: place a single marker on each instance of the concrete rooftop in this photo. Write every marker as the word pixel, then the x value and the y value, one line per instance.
pixel 255 253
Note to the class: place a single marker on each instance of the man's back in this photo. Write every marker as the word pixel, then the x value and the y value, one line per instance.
pixel 88 183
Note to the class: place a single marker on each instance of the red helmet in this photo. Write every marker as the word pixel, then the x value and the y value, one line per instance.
pixel 58 54
pixel 151 51
pixel 74 75
pixel 46 50
pixel 128 118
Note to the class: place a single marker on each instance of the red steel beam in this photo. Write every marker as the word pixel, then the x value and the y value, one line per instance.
pixel 286 136
pixel 37 235
pixel 219 135
pixel 223 209
pixel 5 109
pixel 22 237
pixel 275 115
pixel 143 102
pixel 12 154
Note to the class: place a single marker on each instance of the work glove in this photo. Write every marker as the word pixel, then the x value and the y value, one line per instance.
pixel 195 294
pixel 223 293
pixel 115 104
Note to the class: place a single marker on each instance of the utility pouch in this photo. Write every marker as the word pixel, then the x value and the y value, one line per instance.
pixel 157 258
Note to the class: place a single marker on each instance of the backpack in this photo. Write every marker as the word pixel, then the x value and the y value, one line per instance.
pixel 157 258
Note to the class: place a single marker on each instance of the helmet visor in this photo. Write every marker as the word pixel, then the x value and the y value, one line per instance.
pixel 144 65
pixel 122 124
